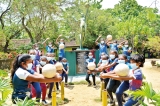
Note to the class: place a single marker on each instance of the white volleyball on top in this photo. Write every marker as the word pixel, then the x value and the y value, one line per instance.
pixel 61 46
pixel 91 66
pixel 59 66
pixel 49 71
pixel 109 37
pixel 121 70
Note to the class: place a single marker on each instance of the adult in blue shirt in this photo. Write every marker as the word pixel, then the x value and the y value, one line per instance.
pixel 22 74
pixel 61 51
pixel 102 46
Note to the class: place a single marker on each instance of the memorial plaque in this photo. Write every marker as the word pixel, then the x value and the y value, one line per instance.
pixel 81 65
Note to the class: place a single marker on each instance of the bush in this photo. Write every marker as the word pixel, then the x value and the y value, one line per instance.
pixel 8 55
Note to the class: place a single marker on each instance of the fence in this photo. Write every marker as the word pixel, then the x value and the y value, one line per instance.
pixel 6 64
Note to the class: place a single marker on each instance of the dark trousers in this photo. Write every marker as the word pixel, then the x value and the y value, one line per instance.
pixel 93 77
pixel 65 77
pixel 106 82
pixel 51 87
pixel 112 87
pixel 120 90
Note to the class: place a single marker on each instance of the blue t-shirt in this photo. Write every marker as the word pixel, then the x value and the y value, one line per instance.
pixel 61 52
pixel 35 64
pixel 114 47
pixel 113 61
pixel 49 49
pixel 52 61
pixel 125 51
pixel 90 60
pixel 136 83
pixel 65 66
pixel 20 84
pixel 38 52
pixel 102 48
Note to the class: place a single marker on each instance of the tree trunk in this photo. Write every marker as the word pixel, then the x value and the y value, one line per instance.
pixel 5 49
pixel 27 30
pixel 3 13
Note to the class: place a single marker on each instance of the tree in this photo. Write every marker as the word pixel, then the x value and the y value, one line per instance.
pixel 9 25
pixel 134 23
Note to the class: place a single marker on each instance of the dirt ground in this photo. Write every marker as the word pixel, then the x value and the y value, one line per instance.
pixel 81 95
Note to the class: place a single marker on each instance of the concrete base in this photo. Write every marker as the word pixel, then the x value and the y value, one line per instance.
pixel 80 78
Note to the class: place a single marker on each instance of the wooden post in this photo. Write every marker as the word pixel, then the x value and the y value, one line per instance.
pixel 104 98
pixel 54 103
pixel 102 88
pixel 62 90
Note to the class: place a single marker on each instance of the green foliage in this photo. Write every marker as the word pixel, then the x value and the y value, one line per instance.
pixel 3 73
pixel 153 42
pixel 45 19
pixel 5 89
pixel 147 92
pixel 24 48
pixel 61 102
pixel 27 102
pixel 3 55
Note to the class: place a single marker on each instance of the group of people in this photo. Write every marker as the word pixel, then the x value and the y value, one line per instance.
pixel 27 78
pixel 28 81
pixel 113 83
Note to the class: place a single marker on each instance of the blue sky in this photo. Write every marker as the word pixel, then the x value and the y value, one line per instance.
pixel 111 3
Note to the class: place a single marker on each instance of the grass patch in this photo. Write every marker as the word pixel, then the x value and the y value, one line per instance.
pixel 70 83
pixel 61 102
pixel 97 100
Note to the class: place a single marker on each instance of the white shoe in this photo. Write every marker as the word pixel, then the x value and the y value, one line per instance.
pixel 44 102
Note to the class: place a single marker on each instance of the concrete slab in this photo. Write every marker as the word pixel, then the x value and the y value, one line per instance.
pixel 80 78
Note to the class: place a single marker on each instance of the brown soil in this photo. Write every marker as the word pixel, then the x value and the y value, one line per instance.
pixel 81 95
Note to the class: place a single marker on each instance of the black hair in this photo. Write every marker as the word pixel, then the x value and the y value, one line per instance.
pixel 123 55
pixel 106 56
pixel 138 58
pixel 115 41
pixel 17 63
pixel 115 51
pixel 64 59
